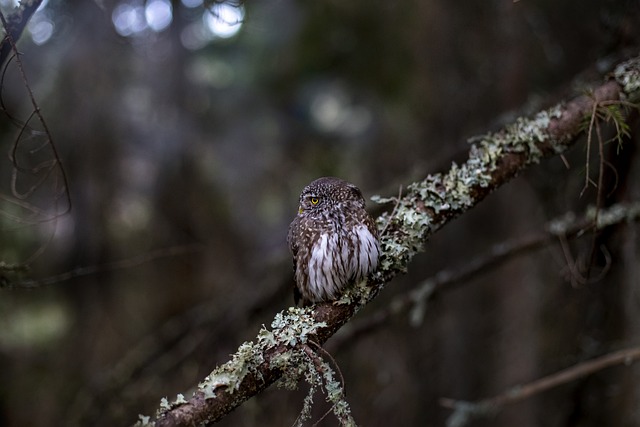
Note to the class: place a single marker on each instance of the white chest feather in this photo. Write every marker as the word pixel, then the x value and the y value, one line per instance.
pixel 337 260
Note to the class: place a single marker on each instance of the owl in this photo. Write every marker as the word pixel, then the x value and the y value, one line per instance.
pixel 333 240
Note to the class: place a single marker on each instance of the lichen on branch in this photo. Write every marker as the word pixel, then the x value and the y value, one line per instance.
pixel 428 205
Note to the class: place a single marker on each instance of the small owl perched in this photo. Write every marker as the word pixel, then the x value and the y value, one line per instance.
pixel 333 240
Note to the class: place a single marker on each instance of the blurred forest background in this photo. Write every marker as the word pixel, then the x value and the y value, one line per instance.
pixel 186 137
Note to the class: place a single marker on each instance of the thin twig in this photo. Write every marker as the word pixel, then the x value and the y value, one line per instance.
pixel 14 25
pixel 10 39
pixel 599 200
pixel 110 266
pixel 589 133
pixel 575 277
pixel 393 212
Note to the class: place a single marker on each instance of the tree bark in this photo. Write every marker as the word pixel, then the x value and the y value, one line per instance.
pixel 493 160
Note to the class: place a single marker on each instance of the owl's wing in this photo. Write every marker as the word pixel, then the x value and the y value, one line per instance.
pixel 293 247
pixel 371 225
pixel 291 240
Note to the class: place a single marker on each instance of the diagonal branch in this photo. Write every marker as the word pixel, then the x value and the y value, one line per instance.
pixel 15 24
pixel 428 205
pixel 416 300
pixel 465 411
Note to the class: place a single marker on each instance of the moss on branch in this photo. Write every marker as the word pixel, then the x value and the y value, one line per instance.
pixel 428 205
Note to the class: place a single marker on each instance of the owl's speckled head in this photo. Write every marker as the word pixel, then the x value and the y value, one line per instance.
pixel 329 192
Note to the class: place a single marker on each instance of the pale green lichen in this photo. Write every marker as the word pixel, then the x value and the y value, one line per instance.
pixel 266 337
pixel 164 404
pixel 443 196
pixel 291 327
pixel 231 374
pixel 605 217
pixel 362 291
pixel 292 369
pixel 307 406
pixel 559 226
pixel 295 325
pixel 436 194
pixel 614 214
pixel 143 421
pixel 336 396
pixel 524 136
pixel 319 374
pixel 627 75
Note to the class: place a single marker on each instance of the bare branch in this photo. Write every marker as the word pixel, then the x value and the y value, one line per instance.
pixel 562 229
pixel 14 24
pixel 94 269
pixel 465 411
pixel 28 176
pixel 427 206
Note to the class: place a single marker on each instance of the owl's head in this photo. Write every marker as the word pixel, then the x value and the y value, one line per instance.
pixel 329 192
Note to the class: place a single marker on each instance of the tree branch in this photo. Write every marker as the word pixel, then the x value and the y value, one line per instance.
pixel 14 24
pixel 428 205
pixel 465 411
pixel 565 227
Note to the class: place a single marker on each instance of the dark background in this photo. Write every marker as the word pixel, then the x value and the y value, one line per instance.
pixel 185 151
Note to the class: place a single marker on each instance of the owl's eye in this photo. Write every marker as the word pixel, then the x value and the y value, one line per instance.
pixel 315 200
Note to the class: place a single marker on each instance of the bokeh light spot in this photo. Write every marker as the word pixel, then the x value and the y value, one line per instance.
pixel 41 28
pixel 224 20
pixel 129 19
pixel 158 14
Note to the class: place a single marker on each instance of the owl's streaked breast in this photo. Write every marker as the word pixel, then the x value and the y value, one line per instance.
pixel 337 259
